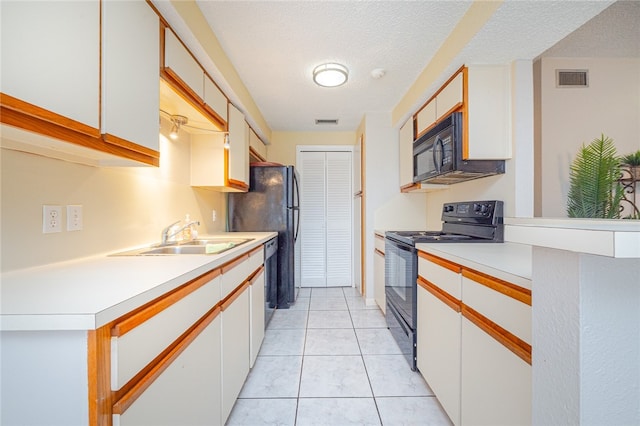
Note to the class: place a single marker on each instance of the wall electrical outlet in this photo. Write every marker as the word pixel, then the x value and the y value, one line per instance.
pixel 74 217
pixel 214 215
pixel 51 219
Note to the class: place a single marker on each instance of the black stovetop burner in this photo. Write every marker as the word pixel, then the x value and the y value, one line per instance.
pixel 469 221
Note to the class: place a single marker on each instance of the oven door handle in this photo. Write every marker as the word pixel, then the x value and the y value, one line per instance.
pixel 401 246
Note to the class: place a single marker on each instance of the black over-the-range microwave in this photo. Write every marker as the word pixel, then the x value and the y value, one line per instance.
pixel 437 156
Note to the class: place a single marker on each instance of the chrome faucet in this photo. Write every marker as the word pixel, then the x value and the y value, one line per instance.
pixel 169 232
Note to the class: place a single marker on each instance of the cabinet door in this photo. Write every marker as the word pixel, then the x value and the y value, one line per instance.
pixel 450 97
pixel 438 351
pixel 182 65
pixel 496 384
pixel 257 145
pixel 235 350
pixel 51 57
pixel 257 314
pixel 339 212
pixel 425 117
pixel 489 98
pixel 215 99
pixel 406 153
pixel 238 153
pixel 187 392
pixel 130 75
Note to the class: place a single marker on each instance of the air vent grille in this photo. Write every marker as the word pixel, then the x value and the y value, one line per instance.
pixel 572 78
pixel 323 121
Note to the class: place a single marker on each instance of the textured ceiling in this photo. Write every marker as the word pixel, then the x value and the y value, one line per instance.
pixel 274 46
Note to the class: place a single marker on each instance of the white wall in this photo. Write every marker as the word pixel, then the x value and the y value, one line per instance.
pixel 122 207
pixel 571 117
pixel 385 207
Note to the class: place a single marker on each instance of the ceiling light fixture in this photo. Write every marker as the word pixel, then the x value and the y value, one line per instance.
pixel 330 75
pixel 177 120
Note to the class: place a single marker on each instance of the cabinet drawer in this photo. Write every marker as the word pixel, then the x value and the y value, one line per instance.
pixel 511 314
pixel 137 340
pixel 234 274
pixel 443 274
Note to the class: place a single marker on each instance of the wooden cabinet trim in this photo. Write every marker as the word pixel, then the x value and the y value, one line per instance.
pixel 256 154
pixel 440 294
pixel 20 114
pixel 99 373
pixel 515 292
pixel 182 89
pixel 256 275
pixel 25 108
pixel 510 341
pixel 236 184
pixel 228 301
pixel 378 252
pixel 465 112
pixel 133 320
pixel 410 187
pixel 123 143
pixel 447 264
pixel 162 362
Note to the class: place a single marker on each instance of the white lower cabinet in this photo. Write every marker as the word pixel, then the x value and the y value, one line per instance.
pixel 257 315
pixel 474 343
pixel 438 339
pixel 378 280
pixel 235 349
pixel 187 392
pixel 496 384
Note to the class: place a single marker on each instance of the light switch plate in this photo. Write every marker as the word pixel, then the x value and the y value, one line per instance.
pixel 74 217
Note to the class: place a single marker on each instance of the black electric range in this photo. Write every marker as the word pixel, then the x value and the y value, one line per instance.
pixel 468 222
pixel 463 222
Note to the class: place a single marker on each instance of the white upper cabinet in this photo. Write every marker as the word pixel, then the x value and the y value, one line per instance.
pixel 181 64
pixel 406 153
pixel 56 100
pixel 258 148
pixel 214 99
pixel 488 112
pixel 426 117
pixel 238 153
pixel 130 60
pixel 51 57
pixel 450 98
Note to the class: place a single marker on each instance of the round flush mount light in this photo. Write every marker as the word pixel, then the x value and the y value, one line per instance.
pixel 330 75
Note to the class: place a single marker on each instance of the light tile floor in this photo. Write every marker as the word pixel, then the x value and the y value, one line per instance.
pixel 330 360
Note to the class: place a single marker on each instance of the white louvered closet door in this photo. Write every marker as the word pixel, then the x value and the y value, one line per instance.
pixel 326 219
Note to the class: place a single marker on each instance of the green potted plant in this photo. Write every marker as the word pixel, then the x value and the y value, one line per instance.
pixel 595 190
pixel 632 163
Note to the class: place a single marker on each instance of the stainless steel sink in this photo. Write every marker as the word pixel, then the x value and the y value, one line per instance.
pixel 211 245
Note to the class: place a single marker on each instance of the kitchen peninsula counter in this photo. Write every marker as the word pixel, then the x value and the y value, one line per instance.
pixel 86 293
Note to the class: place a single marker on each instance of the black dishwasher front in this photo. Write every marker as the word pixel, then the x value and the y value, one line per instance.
pixel 271 278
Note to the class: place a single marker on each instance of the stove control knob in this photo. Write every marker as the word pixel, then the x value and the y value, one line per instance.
pixel 448 208
pixel 480 208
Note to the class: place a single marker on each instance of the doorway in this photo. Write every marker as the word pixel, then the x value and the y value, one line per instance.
pixel 326 215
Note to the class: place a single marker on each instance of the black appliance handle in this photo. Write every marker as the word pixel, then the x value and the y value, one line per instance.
pixel 438 161
pixel 401 246
pixel 296 208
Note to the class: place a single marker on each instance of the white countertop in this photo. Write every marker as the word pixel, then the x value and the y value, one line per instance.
pixel 508 261
pixel 612 238
pixel 86 293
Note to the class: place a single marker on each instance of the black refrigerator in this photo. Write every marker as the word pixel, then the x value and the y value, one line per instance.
pixel 272 204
